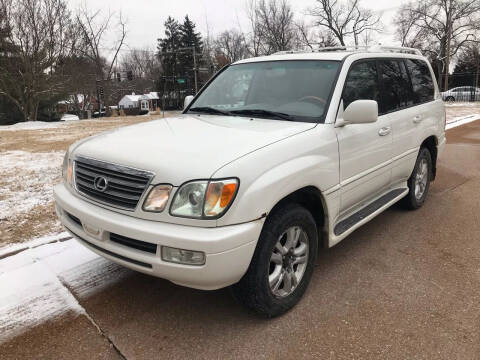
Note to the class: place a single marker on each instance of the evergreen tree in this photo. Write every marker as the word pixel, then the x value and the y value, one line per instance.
pixel 466 71
pixel 9 112
pixel 168 46
pixel 190 39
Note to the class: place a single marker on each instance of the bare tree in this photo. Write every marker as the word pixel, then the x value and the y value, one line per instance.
pixel 255 38
pixel 232 45
pixel 94 28
pixel 345 19
pixel 41 34
pixel 141 62
pixel 275 22
pixel 441 28
pixel 80 90
pixel 311 37
pixel 139 71
pixel 272 27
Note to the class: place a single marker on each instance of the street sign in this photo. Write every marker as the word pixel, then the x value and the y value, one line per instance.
pixel 181 81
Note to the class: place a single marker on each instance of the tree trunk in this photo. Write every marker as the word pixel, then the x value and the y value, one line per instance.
pixel 440 74
pixel 32 109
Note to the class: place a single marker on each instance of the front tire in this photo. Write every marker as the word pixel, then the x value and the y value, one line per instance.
pixel 282 264
pixel 419 181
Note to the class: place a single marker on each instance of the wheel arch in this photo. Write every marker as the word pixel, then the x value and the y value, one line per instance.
pixel 313 200
pixel 431 144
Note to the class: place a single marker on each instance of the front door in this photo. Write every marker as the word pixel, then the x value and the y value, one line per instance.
pixel 365 149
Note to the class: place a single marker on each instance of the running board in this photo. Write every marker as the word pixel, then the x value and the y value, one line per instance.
pixel 365 212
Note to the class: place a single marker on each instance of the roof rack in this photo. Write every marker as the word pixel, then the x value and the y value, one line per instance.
pixel 376 48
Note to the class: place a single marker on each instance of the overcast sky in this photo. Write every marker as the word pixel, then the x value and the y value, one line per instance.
pixel 146 17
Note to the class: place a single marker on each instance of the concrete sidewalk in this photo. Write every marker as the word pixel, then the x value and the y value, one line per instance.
pixel 404 286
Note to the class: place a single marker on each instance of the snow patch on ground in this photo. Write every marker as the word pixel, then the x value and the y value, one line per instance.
pixel 50 238
pixel 462 120
pixel 40 283
pixel 27 180
pixel 31 125
pixel 457 104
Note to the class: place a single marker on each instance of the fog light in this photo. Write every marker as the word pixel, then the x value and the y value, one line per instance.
pixel 180 256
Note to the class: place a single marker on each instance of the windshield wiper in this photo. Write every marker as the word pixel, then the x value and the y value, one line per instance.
pixel 209 110
pixel 253 112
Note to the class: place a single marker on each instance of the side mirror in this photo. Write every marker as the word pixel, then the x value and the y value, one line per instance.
pixel 187 101
pixel 360 112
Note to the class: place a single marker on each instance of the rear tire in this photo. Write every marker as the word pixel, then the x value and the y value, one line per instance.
pixel 419 181
pixel 277 279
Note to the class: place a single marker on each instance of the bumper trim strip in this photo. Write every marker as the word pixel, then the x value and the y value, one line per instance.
pixel 111 253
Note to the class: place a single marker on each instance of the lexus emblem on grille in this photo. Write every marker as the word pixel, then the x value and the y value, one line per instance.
pixel 100 183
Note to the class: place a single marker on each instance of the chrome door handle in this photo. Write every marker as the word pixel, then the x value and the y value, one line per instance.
pixel 417 119
pixel 384 131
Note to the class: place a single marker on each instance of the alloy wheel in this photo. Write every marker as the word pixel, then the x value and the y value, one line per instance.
pixel 421 179
pixel 288 261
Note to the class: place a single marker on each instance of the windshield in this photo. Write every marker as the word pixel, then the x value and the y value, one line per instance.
pixel 288 90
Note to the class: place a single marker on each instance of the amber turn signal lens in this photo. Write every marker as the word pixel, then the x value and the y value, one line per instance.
pixel 157 198
pixel 219 196
pixel 228 192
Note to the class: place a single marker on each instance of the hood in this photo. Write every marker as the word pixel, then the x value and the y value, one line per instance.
pixel 187 147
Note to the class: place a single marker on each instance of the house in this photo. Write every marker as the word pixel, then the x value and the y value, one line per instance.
pixel 154 100
pixel 139 104
pixel 134 103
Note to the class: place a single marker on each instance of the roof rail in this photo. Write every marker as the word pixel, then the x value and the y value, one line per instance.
pixel 376 48
pixel 401 49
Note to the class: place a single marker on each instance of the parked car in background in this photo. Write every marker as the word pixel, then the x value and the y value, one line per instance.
pixel 69 117
pixel 462 93
pixel 276 157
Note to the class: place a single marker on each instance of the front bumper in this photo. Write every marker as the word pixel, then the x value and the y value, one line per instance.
pixel 228 249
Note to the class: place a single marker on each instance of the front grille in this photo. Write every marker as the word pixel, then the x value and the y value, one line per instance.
pixel 124 185
pixel 136 244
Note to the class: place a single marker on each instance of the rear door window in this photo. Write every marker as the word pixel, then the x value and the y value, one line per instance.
pixel 422 81
pixel 407 90
pixel 396 88
pixel 361 83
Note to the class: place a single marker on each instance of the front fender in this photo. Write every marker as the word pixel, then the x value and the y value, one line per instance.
pixel 272 173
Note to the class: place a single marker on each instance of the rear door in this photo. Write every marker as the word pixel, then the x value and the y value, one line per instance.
pixel 416 121
pixel 397 104
pixel 365 149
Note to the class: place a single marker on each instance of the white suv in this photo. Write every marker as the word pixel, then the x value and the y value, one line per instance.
pixel 275 157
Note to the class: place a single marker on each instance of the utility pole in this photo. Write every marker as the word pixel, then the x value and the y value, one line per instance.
pixel 195 70
pixel 164 95
pixel 99 101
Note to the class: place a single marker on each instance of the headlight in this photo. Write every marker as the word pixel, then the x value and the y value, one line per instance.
pixel 157 198
pixel 204 199
pixel 67 169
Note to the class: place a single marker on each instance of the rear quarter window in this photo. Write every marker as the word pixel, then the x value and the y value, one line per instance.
pixel 422 81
